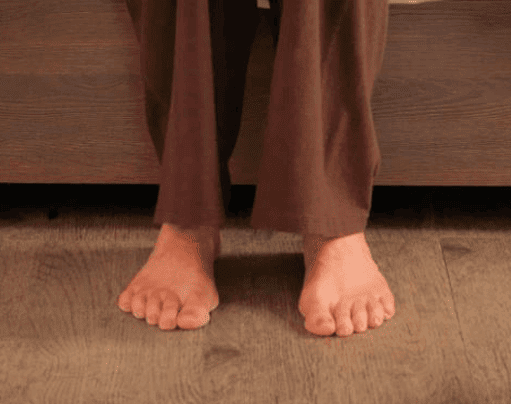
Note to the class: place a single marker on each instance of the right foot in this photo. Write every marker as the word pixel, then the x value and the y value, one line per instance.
pixel 176 287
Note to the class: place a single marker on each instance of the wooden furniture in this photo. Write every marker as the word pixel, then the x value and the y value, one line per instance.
pixel 72 108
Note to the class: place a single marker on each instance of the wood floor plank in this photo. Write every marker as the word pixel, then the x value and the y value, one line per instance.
pixel 425 338
pixel 479 274
pixel 59 296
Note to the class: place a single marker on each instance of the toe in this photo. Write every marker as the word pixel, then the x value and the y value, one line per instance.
pixel 191 317
pixel 319 320
pixel 375 313
pixel 195 312
pixel 124 302
pixel 138 304
pixel 388 305
pixel 359 316
pixel 153 308
pixel 344 325
pixel 168 316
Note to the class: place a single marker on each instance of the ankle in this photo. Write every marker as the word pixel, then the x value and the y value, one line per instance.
pixel 196 234
pixel 206 239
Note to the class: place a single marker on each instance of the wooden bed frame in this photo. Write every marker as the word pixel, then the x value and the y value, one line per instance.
pixel 72 108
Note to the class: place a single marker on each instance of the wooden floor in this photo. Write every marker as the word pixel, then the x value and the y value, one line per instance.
pixel 444 251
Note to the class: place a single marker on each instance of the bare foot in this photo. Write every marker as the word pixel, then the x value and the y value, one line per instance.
pixel 176 287
pixel 343 289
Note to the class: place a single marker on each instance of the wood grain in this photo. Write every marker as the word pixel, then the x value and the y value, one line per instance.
pixel 63 339
pixel 71 105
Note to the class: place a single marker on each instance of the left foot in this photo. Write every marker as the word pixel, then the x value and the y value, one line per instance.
pixel 343 291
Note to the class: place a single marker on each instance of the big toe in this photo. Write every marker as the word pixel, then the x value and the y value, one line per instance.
pixel 319 321
pixel 195 313
pixel 190 318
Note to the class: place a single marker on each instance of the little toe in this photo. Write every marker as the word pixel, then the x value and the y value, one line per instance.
pixel 375 314
pixel 359 316
pixel 388 305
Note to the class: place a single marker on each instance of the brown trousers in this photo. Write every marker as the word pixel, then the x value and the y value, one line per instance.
pixel 321 151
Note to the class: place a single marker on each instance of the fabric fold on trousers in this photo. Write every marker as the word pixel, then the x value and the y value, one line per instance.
pixel 176 64
pixel 320 154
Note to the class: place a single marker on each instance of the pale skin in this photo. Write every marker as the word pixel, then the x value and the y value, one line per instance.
pixel 343 292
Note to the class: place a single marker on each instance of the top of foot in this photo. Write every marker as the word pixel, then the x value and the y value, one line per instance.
pixel 176 286
pixel 344 291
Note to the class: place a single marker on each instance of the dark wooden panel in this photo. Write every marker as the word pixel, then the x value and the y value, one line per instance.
pixel 442 104
pixel 71 105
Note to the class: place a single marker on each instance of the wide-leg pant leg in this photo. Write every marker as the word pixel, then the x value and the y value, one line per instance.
pixel 233 28
pixel 194 57
pixel 320 153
